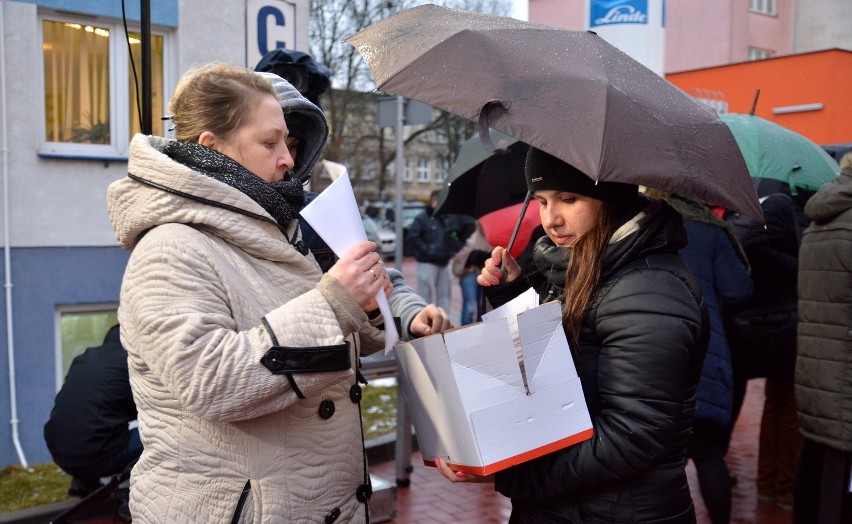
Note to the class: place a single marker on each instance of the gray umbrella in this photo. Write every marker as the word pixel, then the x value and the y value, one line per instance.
pixel 569 93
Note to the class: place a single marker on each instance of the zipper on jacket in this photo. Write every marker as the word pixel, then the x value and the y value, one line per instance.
pixel 241 502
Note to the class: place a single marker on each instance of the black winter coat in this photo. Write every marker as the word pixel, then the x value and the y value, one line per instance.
pixel 641 348
pixel 88 423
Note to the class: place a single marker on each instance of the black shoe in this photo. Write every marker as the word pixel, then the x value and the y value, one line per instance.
pixel 82 487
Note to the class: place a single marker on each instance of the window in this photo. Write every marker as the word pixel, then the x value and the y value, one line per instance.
pixel 441 170
pixel 755 53
pixel 423 170
pixel 407 176
pixel 765 7
pixel 81 328
pixel 90 106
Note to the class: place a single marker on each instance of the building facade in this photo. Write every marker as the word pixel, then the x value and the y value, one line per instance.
pixel 68 112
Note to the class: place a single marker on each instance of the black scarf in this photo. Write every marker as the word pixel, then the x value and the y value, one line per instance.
pixel 283 200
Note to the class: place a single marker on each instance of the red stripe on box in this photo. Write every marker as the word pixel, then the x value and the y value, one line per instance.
pixel 517 459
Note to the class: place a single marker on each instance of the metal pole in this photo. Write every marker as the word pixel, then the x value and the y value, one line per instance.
pixel 146 124
pixel 402 447
pixel 400 124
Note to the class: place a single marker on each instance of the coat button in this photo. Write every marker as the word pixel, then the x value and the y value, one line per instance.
pixel 355 393
pixel 332 515
pixel 364 492
pixel 326 409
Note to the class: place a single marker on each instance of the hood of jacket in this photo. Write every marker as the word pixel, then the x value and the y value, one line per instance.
pixel 159 190
pixel 832 199
pixel 304 121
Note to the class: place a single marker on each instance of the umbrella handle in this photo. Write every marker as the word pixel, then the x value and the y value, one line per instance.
pixel 515 234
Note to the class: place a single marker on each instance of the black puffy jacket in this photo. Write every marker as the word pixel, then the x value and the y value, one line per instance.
pixel 641 349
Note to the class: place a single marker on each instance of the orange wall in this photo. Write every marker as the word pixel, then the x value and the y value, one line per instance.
pixel 819 77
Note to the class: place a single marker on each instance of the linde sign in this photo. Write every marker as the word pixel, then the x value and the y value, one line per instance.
pixel 270 24
pixel 608 12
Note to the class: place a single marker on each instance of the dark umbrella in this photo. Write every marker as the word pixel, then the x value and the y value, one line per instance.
pixel 483 180
pixel 569 93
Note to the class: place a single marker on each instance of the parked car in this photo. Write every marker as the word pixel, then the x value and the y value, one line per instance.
pixel 384 238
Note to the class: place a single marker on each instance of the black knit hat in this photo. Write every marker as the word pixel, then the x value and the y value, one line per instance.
pixel 545 171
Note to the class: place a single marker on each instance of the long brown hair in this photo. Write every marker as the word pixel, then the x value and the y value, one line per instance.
pixel 583 273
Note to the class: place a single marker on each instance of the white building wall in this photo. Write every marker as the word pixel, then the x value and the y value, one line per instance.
pixel 822 24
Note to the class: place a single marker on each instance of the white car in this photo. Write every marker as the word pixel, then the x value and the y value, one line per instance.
pixel 384 238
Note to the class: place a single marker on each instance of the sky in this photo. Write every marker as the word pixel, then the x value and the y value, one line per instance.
pixel 520 9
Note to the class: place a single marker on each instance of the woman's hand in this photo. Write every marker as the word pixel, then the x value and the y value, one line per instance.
pixel 430 320
pixel 459 476
pixel 361 271
pixel 493 275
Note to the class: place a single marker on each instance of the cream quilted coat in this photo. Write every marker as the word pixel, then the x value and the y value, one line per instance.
pixel 205 290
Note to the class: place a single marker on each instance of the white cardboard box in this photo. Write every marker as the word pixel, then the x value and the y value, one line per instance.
pixel 467 396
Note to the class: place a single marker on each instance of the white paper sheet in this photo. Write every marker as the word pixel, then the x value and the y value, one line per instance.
pixel 335 217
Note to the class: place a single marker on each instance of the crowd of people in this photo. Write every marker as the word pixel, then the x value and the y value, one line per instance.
pixel 242 333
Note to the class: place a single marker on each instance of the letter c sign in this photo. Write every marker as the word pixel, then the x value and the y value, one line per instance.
pixel 270 24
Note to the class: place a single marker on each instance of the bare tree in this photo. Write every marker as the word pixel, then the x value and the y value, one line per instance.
pixel 352 131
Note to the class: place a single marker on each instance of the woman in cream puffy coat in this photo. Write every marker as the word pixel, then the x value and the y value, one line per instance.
pixel 242 354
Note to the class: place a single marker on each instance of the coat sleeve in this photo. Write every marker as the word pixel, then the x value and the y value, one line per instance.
pixel 177 321
pixel 732 281
pixel 648 323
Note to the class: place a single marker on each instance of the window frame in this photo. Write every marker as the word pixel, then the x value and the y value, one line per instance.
pixel 64 309
pixel 763 7
pixel 119 78
pixel 424 171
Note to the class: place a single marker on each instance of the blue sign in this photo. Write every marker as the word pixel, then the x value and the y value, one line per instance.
pixel 609 12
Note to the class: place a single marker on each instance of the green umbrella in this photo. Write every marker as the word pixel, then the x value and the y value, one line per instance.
pixel 773 151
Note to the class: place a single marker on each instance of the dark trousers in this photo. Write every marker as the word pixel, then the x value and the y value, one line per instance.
pixel 707 451
pixel 822 486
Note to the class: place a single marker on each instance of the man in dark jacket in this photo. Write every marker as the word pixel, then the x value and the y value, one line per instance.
pixel 435 239
pixel 773 254
pixel 823 376
pixel 88 432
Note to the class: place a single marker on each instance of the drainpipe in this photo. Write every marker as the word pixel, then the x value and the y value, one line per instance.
pixel 7 237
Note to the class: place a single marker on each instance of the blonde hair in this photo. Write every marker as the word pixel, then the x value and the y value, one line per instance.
pixel 216 97
pixel 846 161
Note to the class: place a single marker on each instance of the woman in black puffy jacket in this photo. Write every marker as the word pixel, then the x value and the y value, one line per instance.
pixel 637 324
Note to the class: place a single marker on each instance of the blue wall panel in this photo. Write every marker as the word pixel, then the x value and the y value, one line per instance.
pixel 42 279
pixel 163 12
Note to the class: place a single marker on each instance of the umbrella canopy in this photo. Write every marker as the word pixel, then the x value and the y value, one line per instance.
pixel 499 225
pixel 774 152
pixel 483 180
pixel 569 93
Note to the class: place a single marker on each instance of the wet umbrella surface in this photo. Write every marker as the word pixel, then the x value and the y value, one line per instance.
pixel 569 93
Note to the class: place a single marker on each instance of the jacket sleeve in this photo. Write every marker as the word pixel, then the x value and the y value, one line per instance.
pixel 647 324
pixel 404 302
pixel 732 281
pixel 176 319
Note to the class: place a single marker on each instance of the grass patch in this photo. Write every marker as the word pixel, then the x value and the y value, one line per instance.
pixel 378 411
pixel 41 484
pixel 45 483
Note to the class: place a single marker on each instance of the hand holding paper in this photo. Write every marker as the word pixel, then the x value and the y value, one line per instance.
pixel 335 217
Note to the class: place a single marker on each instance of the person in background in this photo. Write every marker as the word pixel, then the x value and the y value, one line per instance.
pixel 773 253
pixel 823 377
pixel 242 354
pixel 717 260
pixel 430 235
pixel 91 432
pixel 466 265
pixel 635 318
